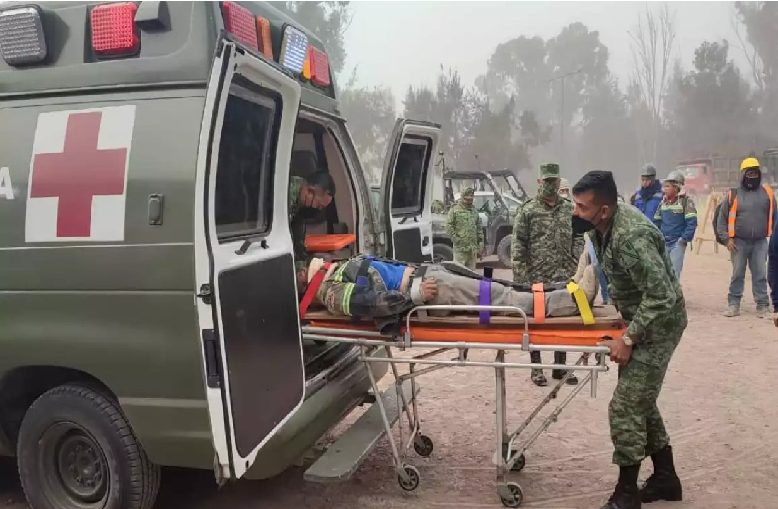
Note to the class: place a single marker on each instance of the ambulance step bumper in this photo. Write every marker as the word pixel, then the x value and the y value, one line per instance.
pixel 348 452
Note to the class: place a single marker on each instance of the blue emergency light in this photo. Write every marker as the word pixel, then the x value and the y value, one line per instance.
pixel 21 36
pixel 294 48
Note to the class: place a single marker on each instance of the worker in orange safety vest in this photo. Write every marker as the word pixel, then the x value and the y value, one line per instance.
pixel 746 222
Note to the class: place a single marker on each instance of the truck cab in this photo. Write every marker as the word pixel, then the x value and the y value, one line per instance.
pixel 150 303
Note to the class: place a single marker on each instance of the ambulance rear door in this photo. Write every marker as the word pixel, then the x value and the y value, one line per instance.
pixel 245 282
pixel 406 190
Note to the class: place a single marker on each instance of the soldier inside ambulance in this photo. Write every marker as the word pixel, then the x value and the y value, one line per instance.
pixel 368 287
pixel 307 196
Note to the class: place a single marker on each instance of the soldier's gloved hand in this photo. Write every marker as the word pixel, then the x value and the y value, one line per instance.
pixel 429 289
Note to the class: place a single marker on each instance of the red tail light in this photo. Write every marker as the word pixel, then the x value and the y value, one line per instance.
pixel 113 29
pixel 240 22
pixel 320 67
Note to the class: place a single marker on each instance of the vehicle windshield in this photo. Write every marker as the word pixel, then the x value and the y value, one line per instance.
pixel 509 185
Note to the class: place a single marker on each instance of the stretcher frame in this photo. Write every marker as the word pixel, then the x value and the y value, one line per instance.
pixel 509 453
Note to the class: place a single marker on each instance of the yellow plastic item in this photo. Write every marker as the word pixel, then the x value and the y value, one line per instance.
pixel 749 162
pixel 583 304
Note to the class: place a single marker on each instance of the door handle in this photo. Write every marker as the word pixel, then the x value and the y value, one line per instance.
pixel 425 241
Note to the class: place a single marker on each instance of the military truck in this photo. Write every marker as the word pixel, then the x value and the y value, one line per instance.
pixel 498 195
pixel 149 300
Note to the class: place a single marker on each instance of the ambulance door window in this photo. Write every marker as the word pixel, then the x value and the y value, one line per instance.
pixel 409 177
pixel 243 199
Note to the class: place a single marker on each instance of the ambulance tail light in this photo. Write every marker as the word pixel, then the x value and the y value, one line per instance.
pixel 320 68
pixel 21 36
pixel 265 43
pixel 113 30
pixel 240 22
pixel 294 49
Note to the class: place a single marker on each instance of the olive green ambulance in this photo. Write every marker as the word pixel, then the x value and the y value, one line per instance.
pixel 148 306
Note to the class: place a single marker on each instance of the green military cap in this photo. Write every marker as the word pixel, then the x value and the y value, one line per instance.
pixel 549 171
pixel 468 190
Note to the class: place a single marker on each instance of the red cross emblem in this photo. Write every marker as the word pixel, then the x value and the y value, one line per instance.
pixel 78 174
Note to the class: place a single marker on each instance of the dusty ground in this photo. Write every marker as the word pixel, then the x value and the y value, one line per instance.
pixel 719 402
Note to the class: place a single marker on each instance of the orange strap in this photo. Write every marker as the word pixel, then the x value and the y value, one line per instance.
pixel 539 303
pixel 313 287
pixel 733 212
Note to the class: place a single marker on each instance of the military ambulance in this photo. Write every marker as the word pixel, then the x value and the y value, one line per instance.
pixel 147 289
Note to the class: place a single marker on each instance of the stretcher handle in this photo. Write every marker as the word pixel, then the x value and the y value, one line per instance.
pixel 465 307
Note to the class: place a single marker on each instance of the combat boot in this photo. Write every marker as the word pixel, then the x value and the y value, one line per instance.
pixel 762 311
pixel 558 374
pixel 664 483
pixel 537 376
pixel 732 311
pixel 626 494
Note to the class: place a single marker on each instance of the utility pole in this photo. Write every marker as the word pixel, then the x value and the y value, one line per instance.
pixel 561 78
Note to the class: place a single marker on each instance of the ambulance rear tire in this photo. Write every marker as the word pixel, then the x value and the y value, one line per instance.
pixel 76 451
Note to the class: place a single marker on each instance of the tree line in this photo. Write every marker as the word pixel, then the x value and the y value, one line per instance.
pixel 556 99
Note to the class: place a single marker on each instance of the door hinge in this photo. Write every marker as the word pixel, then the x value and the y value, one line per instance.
pixel 212 358
pixel 205 293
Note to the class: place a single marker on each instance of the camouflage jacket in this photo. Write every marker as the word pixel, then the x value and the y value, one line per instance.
pixel 642 284
pixel 297 223
pixel 464 229
pixel 340 294
pixel 544 249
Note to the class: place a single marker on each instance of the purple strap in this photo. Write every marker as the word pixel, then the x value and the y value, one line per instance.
pixel 484 299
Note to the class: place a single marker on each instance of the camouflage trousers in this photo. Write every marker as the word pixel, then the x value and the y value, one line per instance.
pixel 637 428
pixel 466 258
pixel 454 289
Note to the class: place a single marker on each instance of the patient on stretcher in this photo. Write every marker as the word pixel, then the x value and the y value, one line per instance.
pixel 374 288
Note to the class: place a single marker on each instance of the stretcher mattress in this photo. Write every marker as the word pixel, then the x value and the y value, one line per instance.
pixel 567 330
pixel 328 242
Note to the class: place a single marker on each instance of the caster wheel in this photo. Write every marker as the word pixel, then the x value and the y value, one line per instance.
pixel 512 496
pixel 413 478
pixel 423 446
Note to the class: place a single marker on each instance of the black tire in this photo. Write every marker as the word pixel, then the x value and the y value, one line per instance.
pixel 63 431
pixel 504 252
pixel 442 253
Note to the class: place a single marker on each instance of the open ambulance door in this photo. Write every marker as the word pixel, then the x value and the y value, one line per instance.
pixel 406 190
pixel 247 291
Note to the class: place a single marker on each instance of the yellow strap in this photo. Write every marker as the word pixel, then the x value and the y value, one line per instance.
pixel 583 304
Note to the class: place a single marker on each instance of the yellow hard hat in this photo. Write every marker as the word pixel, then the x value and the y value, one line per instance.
pixel 749 162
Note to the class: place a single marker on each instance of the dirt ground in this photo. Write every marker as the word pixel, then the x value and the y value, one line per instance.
pixel 719 402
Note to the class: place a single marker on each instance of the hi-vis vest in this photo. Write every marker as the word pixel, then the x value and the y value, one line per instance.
pixel 733 212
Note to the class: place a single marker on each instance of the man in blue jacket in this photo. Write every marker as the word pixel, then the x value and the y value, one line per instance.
pixel 676 218
pixel 649 196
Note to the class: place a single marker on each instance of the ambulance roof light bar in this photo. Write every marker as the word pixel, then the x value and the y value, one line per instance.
pixel 114 32
pixel 294 49
pixel 240 22
pixel 21 36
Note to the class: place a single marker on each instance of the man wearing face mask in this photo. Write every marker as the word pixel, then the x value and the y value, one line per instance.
pixel 643 287
pixel 746 220
pixel 649 196
pixel 544 248
pixel 306 196
pixel 463 227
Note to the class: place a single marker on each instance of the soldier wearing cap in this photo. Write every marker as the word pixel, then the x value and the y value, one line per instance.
pixel 649 196
pixel 544 248
pixel 463 227
pixel 564 188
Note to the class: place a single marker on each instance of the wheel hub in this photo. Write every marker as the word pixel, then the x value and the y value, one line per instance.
pixel 81 467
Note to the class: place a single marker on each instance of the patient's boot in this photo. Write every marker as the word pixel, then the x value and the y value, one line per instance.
pixel 558 374
pixel 537 376
pixel 664 483
pixel 626 494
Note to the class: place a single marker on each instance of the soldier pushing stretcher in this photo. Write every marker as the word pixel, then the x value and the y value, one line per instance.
pixel 375 288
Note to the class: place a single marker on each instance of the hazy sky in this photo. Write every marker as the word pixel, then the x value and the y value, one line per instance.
pixel 403 43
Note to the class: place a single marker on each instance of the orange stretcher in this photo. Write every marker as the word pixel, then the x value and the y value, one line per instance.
pixel 462 332
pixel 328 242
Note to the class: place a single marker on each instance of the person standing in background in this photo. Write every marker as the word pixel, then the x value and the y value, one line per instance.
pixel 463 227
pixel 676 218
pixel 649 196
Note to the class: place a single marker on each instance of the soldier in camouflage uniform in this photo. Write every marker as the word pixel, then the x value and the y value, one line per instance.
pixel 305 198
pixel 392 288
pixel 544 248
pixel 464 229
pixel 644 288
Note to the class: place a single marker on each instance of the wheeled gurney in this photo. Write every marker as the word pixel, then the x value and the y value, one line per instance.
pixel 460 333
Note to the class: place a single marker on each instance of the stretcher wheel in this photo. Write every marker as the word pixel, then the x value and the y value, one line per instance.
pixel 423 446
pixel 521 462
pixel 511 495
pixel 413 478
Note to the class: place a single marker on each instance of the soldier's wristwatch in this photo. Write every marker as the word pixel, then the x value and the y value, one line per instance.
pixel 627 340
